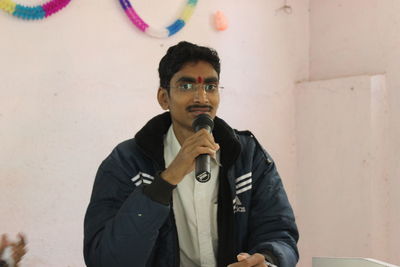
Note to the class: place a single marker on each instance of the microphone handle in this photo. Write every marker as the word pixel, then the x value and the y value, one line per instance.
pixel 203 170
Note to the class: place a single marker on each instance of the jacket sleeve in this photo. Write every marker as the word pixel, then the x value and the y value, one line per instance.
pixel 273 231
pixel 121 222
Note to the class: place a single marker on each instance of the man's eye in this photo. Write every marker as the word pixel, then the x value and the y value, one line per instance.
pixel 186 86
pixel 210 87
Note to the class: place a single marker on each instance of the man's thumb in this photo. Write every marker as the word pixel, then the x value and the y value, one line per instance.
pixel 242 256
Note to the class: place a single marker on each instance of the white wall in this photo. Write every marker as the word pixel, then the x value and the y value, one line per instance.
pixel 76 84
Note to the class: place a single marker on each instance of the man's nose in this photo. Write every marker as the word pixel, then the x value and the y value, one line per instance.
pixel 200 95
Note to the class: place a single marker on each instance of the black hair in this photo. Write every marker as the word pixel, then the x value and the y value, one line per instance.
pixel 184 52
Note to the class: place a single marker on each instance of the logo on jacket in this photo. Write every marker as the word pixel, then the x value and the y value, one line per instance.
pixel 237 205
pixel 242 184
pixel 142 178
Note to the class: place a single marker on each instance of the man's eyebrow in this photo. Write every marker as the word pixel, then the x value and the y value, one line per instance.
pixel 193 80
pixel 187 79
pixel 211 80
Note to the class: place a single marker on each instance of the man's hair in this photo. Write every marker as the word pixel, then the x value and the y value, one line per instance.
pixel 184 52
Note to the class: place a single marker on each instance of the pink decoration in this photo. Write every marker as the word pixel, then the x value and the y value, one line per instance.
pixel 221 23
pixel 134 17
pixel 54 6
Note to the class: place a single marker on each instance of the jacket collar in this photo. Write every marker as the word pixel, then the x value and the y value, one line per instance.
pixel 151 139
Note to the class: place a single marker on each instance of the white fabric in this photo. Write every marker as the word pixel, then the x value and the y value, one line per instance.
pixel 195 209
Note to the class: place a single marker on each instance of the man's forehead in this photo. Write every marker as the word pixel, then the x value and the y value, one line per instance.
pixel 196 67
pixel 197 72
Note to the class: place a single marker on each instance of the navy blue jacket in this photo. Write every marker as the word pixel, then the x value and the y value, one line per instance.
pixel 130 220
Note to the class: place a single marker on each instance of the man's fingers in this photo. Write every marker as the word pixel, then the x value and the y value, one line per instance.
pixel 246 260
pixel 256 260
pixel 204 132
pixel 242 256
pixel 195 147
pixel 204 150
pixel 203 136
pixel 217 147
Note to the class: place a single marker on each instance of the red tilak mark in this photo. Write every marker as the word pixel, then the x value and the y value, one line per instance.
pixel 199 79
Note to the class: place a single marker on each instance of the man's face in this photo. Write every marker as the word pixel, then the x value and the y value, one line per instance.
pixel 191 93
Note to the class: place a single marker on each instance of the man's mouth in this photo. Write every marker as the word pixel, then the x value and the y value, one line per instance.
pixel 199 109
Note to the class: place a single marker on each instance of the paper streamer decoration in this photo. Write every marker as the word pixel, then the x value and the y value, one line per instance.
pixel 221 23
pixel 159 33
pixel 34 12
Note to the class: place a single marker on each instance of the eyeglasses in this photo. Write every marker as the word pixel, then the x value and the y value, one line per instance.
pixel 209 88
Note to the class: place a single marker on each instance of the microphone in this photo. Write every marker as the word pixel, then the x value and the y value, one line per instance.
pixel 203 169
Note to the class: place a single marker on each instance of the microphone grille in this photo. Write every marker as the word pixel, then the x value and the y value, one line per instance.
pixel 203 121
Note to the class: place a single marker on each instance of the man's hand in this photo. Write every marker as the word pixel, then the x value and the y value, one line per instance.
pixel 201 142
pixel 247 260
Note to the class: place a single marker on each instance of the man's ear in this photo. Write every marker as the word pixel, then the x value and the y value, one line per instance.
pixel 163 98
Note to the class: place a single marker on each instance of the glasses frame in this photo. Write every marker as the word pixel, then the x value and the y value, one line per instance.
pixel 195 87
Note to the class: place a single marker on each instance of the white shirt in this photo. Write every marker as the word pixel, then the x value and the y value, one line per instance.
pixel 195 209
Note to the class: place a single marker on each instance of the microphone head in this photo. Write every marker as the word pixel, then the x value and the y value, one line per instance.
pixel 203 121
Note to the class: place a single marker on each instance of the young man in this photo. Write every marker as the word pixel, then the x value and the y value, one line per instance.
pixel 147 209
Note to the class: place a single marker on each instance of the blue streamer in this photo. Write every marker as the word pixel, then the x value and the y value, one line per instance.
pixel 175 27
pixel 30 13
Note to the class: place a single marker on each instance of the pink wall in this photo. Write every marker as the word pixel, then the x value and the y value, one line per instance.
pixel 347 139
pixel 342 191
pixel 75 85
